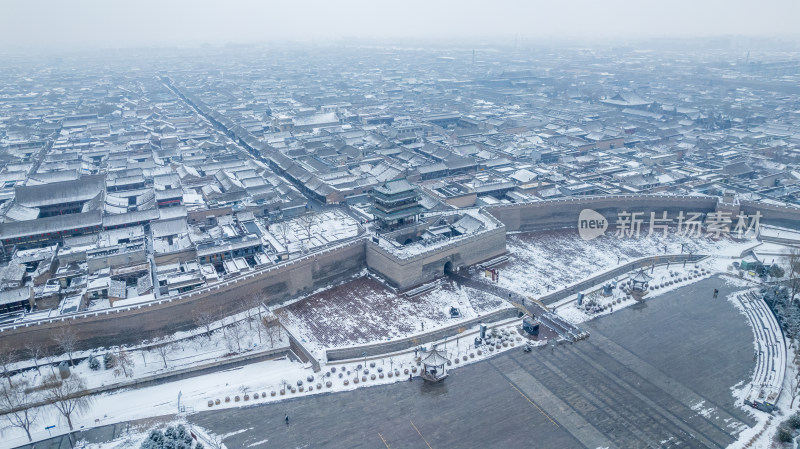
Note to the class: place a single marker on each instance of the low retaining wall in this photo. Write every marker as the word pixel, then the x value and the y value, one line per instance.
pixel 410 342
pixel 302 353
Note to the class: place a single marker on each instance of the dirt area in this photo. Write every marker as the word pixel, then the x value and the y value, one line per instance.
pixel 364 311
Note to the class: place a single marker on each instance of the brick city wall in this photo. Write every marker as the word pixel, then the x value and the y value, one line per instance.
pixel 772 214
pixel 131 325
pixel 563 213
pixel 408 272
pixel 301 276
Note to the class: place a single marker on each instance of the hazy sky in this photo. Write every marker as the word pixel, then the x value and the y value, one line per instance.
pixel 110 23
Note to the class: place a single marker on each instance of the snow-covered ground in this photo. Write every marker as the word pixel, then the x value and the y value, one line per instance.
pixel 188 350
pixel 544 262
pixel 262 378
pixel 136 434
pixel 191 348
pixel 661 275
pixel 363 311
pixel 314 230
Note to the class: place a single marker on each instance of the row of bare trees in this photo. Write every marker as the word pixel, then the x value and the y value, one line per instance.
pixel 64 340
pixel 21 402
pixel 266 323
pixel 306 221
pixel 224 319
pixel 781 298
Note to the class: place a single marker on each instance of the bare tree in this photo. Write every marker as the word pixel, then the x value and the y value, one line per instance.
pixel 17 402
pixel 234 337
pixel 67 341
pixel 6 358
pixel 793 273
pixel 272 327
pixel 164 348
pixel 35 350
pixel 794 390
pixel 69 395
pixel 282 229
pixel 124 364
pixel 50 357
pixel 204 319
pixel 246 304
pixel 308 221
pixel 258 304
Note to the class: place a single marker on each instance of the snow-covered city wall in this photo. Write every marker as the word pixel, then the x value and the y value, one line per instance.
pixel 773 214
pixel 405 272
pixel 275 284
pixel 148 320
pixel 563 213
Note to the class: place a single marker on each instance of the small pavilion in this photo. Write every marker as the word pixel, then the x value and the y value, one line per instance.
pixel 433 366
pixel 639 284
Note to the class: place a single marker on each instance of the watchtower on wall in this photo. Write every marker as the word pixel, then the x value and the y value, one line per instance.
pixel 395 203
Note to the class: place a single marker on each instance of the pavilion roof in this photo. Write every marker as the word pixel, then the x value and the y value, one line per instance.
pixel 435 358
pixel 641 277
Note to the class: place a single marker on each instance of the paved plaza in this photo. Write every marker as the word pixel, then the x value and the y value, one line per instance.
pixel 656 374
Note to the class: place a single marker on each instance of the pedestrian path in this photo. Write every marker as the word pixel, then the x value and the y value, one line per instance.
pixel 565 330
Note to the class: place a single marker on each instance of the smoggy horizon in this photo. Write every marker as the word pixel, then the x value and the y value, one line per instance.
pixel 93 24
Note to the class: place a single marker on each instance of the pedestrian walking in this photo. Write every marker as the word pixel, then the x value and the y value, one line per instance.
pixel 287 419
pixel 410 378
pixel 716 292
